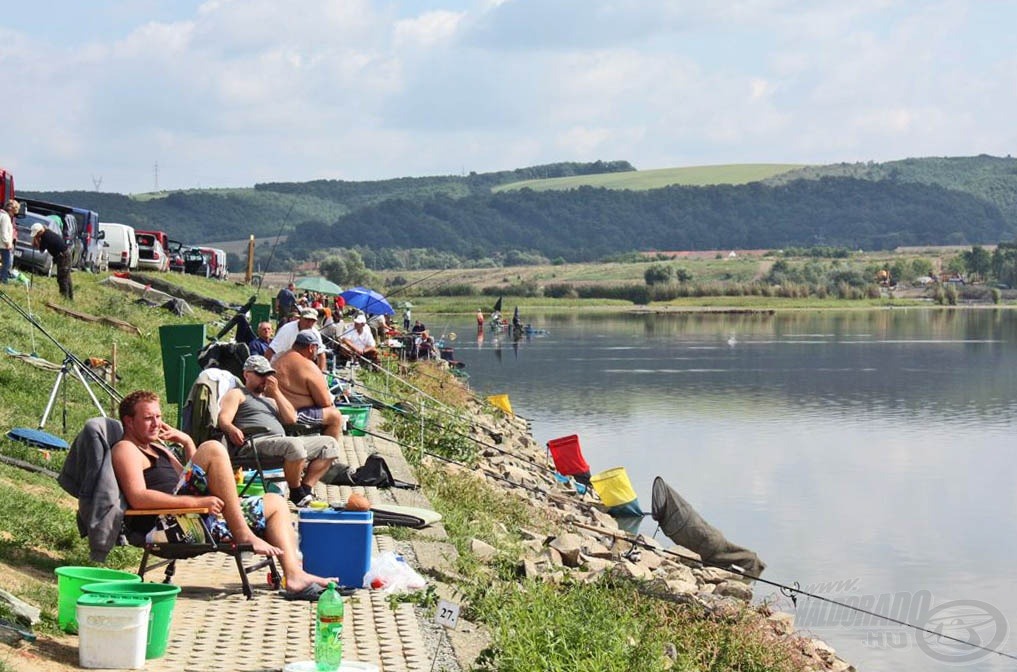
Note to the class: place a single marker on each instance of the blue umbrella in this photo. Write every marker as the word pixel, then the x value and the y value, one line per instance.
pixel 367 300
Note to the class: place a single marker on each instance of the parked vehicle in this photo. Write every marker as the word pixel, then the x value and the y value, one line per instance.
pixel 26 257
pixel 120 244
pixel 69 224
pixel 6 186
pixel 195 262
pixel 207 261
pixel 216 259
pixel 151 254
pixel 88 231
pixel 175 250
pixel 159 235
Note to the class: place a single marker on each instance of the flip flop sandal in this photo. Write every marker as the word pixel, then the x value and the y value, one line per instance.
pixel 309 594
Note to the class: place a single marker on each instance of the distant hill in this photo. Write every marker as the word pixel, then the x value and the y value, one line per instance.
pixel 692 176
pixel 567 210
pixel 586 223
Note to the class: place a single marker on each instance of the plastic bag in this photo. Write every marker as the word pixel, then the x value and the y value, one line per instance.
pixel 390 574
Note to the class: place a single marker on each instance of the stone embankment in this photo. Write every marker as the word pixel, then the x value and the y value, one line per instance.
pixel 587 542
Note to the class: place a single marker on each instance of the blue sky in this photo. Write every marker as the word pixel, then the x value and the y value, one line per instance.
pixel 227 93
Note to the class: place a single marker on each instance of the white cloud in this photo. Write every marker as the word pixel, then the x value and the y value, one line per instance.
pixel 228 92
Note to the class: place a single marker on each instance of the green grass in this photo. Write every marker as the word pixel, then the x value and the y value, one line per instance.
pixel 696 176
pixel 610 625
pixel 37 519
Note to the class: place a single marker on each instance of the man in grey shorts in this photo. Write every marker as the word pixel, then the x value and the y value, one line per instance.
pixel 259 409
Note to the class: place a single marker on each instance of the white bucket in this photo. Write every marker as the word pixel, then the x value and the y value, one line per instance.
pixel 345 666
pixel 112 635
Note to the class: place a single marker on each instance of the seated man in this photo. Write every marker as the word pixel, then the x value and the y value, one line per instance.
pixel 150 477
pixel 259 344
pixel 283 341
pixel 303 384
pixel 360 342
pixel 260 409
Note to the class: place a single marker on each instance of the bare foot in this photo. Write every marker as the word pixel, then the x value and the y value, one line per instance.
pixel 262 547
pixel 297 582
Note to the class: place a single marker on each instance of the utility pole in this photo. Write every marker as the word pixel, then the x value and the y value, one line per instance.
pixel 156 173
pixel 97 182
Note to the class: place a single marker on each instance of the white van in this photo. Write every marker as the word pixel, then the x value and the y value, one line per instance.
pixel 120 245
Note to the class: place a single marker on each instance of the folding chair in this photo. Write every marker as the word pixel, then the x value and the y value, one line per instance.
pixel 252 460
pixel 88 475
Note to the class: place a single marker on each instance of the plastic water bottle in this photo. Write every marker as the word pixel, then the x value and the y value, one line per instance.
pixel 328 634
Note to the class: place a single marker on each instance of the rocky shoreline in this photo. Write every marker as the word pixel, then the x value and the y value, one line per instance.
pixel 587 543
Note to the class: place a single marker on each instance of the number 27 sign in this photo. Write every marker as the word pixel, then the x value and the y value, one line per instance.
pixel 446 614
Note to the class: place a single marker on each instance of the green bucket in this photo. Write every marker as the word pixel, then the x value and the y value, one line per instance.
pixel 70 581
pixel 356 416
pixel 164 598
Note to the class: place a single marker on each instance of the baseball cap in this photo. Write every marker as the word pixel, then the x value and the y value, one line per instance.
pixel 308 313
pixel 258 364
pixel 360 319
pixel 308 337
pixel 37 228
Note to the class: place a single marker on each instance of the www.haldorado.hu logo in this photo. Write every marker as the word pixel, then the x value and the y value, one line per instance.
pixel 951 631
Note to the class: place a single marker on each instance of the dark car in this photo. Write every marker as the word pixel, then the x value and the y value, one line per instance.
pixel 27 257
pixel 73 224
pixel 195 262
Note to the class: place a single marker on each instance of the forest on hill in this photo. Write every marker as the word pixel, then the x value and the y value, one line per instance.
pixel 927 201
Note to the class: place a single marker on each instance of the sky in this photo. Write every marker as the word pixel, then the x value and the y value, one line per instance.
pixel 133 95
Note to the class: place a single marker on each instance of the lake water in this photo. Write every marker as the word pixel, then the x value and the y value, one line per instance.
pixel 866 455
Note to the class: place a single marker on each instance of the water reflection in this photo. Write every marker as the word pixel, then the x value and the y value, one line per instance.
pixel 865 445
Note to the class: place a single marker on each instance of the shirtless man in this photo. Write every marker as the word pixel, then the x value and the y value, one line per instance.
pixel 261 410
pixel 301 381
pixel 150 477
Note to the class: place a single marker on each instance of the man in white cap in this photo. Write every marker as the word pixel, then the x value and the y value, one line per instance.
pixel 8 234
pixel 287 334
pixel 304 386
pixel 260 409
pixel 360 343
pixel 48 240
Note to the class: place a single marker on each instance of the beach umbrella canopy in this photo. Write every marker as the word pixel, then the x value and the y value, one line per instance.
pixel 319 284
pixel 367 300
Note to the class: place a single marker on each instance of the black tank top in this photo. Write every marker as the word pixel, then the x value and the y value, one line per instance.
pixel 160 476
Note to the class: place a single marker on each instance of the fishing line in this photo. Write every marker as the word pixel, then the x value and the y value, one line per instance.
pixel 785 589
pixel 271 255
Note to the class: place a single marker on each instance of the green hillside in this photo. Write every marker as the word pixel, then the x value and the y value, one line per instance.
pixel 691 176
pixel 585 211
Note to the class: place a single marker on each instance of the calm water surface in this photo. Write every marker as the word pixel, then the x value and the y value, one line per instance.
pixel 868 451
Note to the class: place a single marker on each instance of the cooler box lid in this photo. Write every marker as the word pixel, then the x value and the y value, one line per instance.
pixel 331 516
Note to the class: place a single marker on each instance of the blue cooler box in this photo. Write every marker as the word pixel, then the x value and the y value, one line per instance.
pixel 337 543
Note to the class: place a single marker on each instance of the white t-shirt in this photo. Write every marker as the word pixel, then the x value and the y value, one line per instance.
pixel 362 340
pixel 6 231
pixel 285 337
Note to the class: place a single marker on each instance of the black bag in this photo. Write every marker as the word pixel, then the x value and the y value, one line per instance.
pixel 375 473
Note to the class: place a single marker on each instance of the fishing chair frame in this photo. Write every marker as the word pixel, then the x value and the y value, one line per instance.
pixel 170 552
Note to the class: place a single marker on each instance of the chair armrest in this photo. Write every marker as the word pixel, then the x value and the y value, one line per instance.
pixel 172 512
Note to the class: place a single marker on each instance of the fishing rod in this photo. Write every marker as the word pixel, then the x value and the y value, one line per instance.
pixel 79 365
pixel 278 235
pixel 636 540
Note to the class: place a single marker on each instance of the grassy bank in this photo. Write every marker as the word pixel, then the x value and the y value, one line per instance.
pixel 37 528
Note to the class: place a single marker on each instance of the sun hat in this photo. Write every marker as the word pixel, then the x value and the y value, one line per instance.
pixel 360 319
